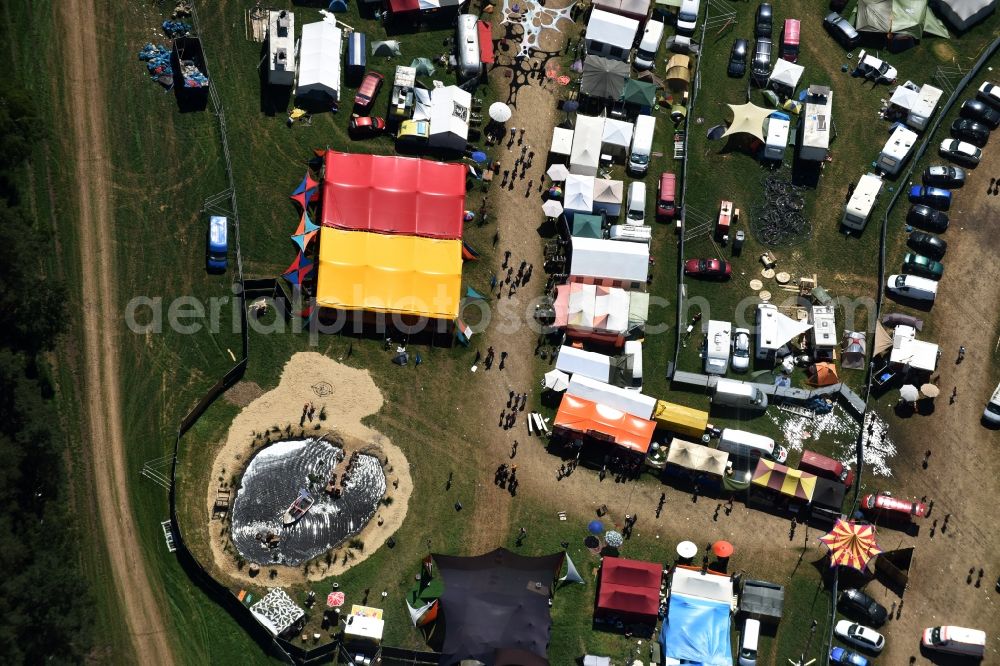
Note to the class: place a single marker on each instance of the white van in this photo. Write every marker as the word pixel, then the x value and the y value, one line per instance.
pixel 862 200
pixel 633 233
pixel 992 412
pixel 636 212
pixel 717 347
pixel 650 44
pixel 744 395
pixel 912 286
pixel 687 16
pixel 955 640
pixel 642 144
pixel 750 445
pixel 748 646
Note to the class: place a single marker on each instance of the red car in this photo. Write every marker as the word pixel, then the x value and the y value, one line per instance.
pixel 365 126
pixel 891 507
pixel 368 90
pixel 711 268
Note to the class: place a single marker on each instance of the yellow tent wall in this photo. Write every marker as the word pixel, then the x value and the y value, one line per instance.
pixel 679 419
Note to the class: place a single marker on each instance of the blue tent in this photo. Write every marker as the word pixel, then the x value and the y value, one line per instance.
pixel 697 630
pixel 338 6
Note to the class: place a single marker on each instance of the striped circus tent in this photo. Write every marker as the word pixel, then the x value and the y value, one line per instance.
pixel 787 481
pixel 851 544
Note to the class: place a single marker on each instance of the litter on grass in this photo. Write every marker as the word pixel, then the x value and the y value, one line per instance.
pixel 157 59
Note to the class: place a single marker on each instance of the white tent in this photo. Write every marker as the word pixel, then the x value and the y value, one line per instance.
pixel 608 196
pixel 319 61
pixel 611 260
pixel 616 137
pixel 904 97
pixel 281 47
pixel 450 107
pixel 586 152
pixel 912 353
pixel 775 330
pixel 421 104
pixel 587 364
pixel 963 14
pixel 610 35
pixel 630 402
pixel 694 583
pixel 555 380
pixel 562 141
pixel 785 76
pixel 578 196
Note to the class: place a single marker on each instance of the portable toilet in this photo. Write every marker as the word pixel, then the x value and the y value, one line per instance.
pixel 356 57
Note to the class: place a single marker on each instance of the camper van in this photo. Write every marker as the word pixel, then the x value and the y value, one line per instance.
pixel 469 62
pixel 748 643
pixel 717 346
pixel 777 139
pixel 650 44
pixel 642 145
pixel 790 40
pixel 687 16
pixel 636 212
pixel 862 200
pixel 743 395
pixel 749 445
pixel 218 244
pixel 666 196
pixel 897 150
pixel 828 468
pixel 633 233
pixel 955 640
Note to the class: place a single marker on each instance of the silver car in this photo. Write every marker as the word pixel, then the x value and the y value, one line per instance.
pixel 741 350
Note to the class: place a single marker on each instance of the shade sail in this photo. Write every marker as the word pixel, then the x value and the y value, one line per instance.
pixel 382 273
pixel 587 417
pixel 697 457
pixel 748 119
pixel 603 77
pixel 851 544
pixel 790 482
pixel 393 195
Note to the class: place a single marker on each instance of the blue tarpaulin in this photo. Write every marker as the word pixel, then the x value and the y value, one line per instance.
pixel 697 630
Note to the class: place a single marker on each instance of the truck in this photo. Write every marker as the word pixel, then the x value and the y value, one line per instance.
pixel 718 342
pixel 862 200
pixel 401 101
pixel 896 150
pixel 817 118
pixel 680 420
pixel 642 145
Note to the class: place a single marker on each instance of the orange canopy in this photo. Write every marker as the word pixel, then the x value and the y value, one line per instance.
pixel 585 416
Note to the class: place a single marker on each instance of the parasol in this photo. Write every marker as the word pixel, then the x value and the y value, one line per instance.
pixel 552 208
pixel 479 157
pixel 500 112
pixel 557 172
pixel 909 392
pixel 687 549
pixel 613 539
pixel 930 391
pixel 335 599
pixel 851 544
pixel 595 527
pixel 570 106
pixel 722 549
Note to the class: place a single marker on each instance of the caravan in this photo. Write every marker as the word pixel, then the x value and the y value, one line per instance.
pixel 717 345
pixel 862 200
pixel 469 59
pixel 777 138
pixel 897 150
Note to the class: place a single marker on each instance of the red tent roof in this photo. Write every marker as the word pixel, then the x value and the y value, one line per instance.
pixel 635 573
pixel 396 6
pixel 634 600
pixel 629 586
pixel 485 42
pixel 581 415
pixel 393 195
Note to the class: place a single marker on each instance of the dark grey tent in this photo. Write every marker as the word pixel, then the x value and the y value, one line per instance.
pixel 829 493
pixel 495 607
pixel 604 78
pixel 762 600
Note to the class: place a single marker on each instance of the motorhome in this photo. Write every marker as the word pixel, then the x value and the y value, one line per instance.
pixel 469 59
pixel 817 118
pixel 897 150
pixel 862 200
pixel 718 342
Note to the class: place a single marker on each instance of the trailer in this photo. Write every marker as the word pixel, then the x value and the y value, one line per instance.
pixel 189 65
pixel 862 200
pixel 281 48
pixel 401 101
pixel 817 119
pixel 897 149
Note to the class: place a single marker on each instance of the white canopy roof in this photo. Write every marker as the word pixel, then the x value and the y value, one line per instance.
pixel 776 329
pixel 586 152
pixel 904 97
pixel 588 364
pixel 562 141
pixel 697 457
pixel 319 60
pixel 612 29
pixel 555 380
pixel 617 133
pixel 703 586
pixel 963 14
pixel 630 402
pixel 598 308
pixel 579 194
pixel 367 628
pixel 908 351
pixel 787 73
pixel 608 191
pixel 614 260
pixel 450 107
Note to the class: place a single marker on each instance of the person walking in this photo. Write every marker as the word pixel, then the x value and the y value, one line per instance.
pixel 513 449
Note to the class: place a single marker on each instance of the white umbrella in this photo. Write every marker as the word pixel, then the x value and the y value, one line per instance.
pixel 500 112
pixel 930 391
pixel 556 380
pixel 687 549
pixel 552 208
pixel 557 172
pixel 909 392
pixel 614 539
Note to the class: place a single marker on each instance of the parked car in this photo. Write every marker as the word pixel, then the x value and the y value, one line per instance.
pixel 913 287
pixel 764 21
pixel 844 657
pixel 944 176
pixel 741 349
pixel 863 637
pixel 414 132
pixel 980 111
pixel 930 196
pixel 991 415
pixel 927 244
pixel 926 217
pixel 365 126
pixel 841 30
pixel 885 504
pixel 859 605
pixel 874 69
pixel 960 641
pixel 738 59
pixel 960 151
pixel 989 93
pixel 761 68
pixel 710 268
pixel 975 133
pixel 368 91
pixel 918 264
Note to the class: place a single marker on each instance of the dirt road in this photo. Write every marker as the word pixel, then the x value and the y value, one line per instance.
pixel 103 439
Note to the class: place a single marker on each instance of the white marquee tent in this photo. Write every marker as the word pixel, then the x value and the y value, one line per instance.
pixel 608 259
pixel 450 107
pixel 616 137
pixel 610 35
pixel 578 196
pixel 586 153
pixel 585 363
pixel 319 61
pixel 630 402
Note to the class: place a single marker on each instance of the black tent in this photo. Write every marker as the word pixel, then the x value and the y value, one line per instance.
pixel 829 493
pixel 762 600
pixel 495 607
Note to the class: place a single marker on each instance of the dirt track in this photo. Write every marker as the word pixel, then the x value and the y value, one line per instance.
pixel 103 439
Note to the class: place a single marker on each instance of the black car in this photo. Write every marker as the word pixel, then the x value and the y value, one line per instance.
pixel 949 177
pixel 970 131
pixel 765 18
pixel 863 608
pixel 927 244
pixel 738 58
pixel 761 68
pixel 926 217
pixel 981 112
pixel 841 30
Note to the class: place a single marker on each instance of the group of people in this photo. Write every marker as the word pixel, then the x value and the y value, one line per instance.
pixel 308 411
pixel 511 281
pixel 623 467
pixel 506 476
pixel 490 358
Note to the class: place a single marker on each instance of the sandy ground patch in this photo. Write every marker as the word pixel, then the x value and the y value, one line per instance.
pixel 346 395
pixel 243 393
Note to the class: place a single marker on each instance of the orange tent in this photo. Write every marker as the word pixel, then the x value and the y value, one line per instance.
pixel 588 417
pixel 822 374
